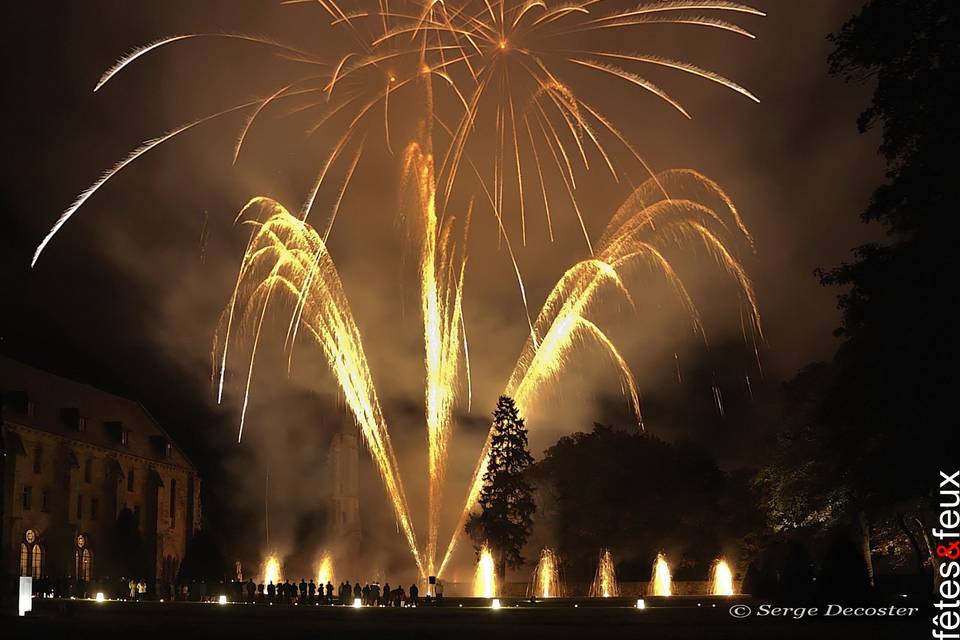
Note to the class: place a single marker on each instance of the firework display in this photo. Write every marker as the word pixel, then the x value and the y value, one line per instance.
pixel 497 113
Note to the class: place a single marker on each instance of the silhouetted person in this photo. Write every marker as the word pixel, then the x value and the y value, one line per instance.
pixel 357 591
pixel 375 594
pixel 251 590
pixel 271 592
pixel 329 592
pixel 414 595
pixel 311 591
pixel 398 596
pixel 303 591
pixel 386 594
pixel 260 589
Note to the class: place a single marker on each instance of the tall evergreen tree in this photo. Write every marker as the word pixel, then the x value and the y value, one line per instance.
pixel 506 500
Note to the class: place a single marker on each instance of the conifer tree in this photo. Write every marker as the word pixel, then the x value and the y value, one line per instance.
pixel 506 500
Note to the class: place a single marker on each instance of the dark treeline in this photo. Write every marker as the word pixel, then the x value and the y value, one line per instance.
pixel 639 495
pixel 864 436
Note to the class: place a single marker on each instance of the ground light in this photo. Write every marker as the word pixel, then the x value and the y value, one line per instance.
pixel 100 597
pixel 641 604
pixel 25 601
pixel 357 603
pixel 222 600
pixel 495 603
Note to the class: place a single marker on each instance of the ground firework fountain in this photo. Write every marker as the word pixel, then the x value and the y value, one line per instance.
pixel 485 578
pixel 660 581
pixel 325 570
pixel 546 577
pixel 271 571
pixel 605 582
pixel 721 579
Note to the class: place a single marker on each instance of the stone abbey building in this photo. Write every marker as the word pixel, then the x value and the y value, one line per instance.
pixel 74 458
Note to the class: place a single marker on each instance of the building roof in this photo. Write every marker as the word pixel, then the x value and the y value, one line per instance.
pixel 59 403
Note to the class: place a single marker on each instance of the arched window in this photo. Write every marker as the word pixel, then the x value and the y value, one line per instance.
pixel 83 560
pixel 84 563
pixel 36 562
pixel 31 555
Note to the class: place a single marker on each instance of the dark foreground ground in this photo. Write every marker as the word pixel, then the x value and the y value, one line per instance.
pixel 680 619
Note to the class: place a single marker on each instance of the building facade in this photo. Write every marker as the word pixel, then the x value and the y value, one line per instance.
pixel 343 515
pixel 74 458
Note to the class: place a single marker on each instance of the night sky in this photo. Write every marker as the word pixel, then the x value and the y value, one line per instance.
pixel 128 295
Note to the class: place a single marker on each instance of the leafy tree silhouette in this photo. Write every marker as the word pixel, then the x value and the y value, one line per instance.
pixel 862 445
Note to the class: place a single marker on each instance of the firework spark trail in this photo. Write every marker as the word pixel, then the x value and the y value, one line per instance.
pixel 639 232
pixel 503 59
pixel 441 294
pixel 546 577
pixel 605 583
pixel 119 166
pixel 520 48
pixel 156 44
pixel 287 259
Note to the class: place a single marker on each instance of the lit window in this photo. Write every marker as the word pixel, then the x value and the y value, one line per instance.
pixel 24 559
pixel 84 560
pixel 81 424
pixel 125 437
pixel 36 562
